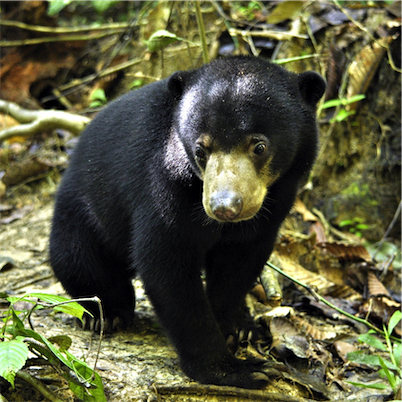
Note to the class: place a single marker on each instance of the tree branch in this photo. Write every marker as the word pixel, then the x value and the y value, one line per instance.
pixel 36 121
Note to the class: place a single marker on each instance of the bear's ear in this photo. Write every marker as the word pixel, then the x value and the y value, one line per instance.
pixel 312 87
pixel 176 83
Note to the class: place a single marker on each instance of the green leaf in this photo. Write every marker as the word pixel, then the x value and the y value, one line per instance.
pixel 375 385
pixel 72 308
pixel 63 341
pixel 397 352
pixel 99 94
pixel 362 226
pixel 362 358
pixel 372 341
pixel 48 350
pixel 390 376
pixel 342 115
pixel 102 5
pixel 331 103
pixel 160 39
pixel 55 6
pixel 13 355
pixel 370 360
pixel 394 320
pixel 136 83
pixel 84 386
pixel 17 326
pixel 346 222
pixel 98 98
pixel 14 299
pixel 354 98
pixel 342 101
pixel 83 383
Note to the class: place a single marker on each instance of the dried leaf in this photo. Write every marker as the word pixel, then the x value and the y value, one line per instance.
pixel 379 309
pixel 375 287
pixel 2 189
pixel 362 69
pixel 259 293
pixel 287 339
pixel 301 209
pixel 335 70
pixel 343 348
pixel 286 10
pixel 313 280
pixel 345 252
pixel 318 229
pixel 17 214
pixel 309 329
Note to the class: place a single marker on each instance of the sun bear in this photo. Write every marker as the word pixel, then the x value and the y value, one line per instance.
pixel 192 174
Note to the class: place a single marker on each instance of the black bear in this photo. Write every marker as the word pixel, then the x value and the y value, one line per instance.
pixel 191 174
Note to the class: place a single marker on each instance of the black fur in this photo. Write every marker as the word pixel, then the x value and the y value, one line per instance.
pixel 130 204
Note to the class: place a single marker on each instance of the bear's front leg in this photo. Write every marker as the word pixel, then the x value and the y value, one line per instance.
pixel 171 277
pixel 232 269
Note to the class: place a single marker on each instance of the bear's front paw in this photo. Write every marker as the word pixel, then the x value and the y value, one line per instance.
pixel 230 371
pixel 112 322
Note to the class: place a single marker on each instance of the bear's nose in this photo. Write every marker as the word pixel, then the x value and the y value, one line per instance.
pixel 226 205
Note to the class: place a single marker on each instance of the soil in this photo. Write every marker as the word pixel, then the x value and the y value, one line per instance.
pixel 128 363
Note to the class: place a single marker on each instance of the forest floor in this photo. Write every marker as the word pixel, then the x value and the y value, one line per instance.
pixel 142 365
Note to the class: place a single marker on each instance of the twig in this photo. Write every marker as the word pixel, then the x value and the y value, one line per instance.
pixel 89 78
pixel 36 121
pixel 63 38
pixel 318 297
pixel 224 391
pixel 39 386
pixel 277 35
pixel 391 225
pixel 39 28
pixel 201 30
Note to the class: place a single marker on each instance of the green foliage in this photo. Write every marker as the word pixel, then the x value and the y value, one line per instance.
pixel 246 9
pixel 13 355
pixel 342 113
pixel 161 39
pixel 356 225
pixel 55 6
pixel 384 251
pixel 388 369
pixel 100 6
pixel 18 340
pixel 98 98
pixel 136 84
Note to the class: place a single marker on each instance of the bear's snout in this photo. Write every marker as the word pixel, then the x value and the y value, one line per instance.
pixel 226 205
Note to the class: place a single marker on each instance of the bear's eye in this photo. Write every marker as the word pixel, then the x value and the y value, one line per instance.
pixel 260 148
pixel 200 153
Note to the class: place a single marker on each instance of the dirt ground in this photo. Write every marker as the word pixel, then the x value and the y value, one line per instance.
pixel 136 366
pixel 129 362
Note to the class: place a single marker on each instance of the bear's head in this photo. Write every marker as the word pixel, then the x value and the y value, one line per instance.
pixel 245 123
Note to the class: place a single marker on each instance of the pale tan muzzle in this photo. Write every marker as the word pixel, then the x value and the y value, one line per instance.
pixel 233 189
